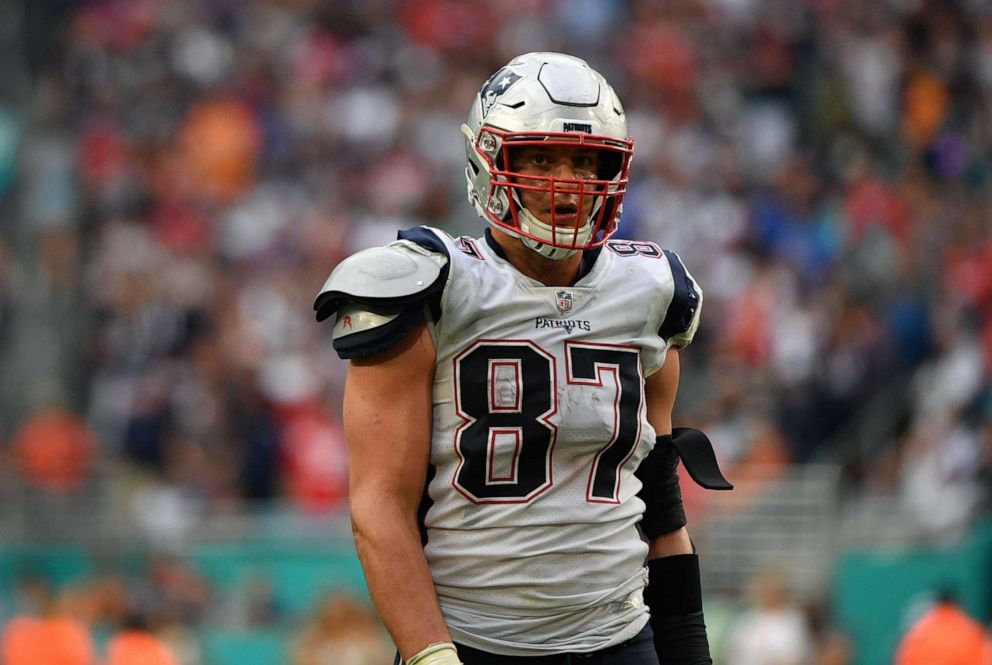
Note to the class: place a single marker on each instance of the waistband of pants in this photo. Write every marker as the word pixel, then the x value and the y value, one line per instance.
pixel 553 659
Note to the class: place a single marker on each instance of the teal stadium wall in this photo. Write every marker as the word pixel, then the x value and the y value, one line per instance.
pixel 300 577
pixel 878 594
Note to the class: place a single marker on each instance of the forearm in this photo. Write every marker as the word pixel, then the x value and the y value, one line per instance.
pixel 668 544
pixel 387 419
pixel 399 579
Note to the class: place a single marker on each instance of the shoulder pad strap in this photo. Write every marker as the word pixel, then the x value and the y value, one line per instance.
pixel 397 274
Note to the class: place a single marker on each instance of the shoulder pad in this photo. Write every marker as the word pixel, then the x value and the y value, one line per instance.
pixel 682 317
pixel 361 332
pixel 397 274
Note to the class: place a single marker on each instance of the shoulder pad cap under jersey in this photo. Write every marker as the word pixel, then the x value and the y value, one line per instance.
pixel 397 274
pixel 682 317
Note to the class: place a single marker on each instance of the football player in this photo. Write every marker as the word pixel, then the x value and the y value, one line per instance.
pixel 504 390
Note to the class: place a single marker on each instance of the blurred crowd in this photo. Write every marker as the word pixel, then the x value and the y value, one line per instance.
pixel 823 167
pixel 161 616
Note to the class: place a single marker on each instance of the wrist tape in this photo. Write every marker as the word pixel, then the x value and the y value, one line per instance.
pixel 439 653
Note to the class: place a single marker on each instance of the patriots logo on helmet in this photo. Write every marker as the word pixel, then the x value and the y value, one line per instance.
pixel 564 302
pixel 497 84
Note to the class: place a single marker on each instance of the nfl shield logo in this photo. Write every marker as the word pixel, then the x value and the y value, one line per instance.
pixel 564 302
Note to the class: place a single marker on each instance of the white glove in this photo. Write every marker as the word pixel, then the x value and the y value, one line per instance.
pixel 440 653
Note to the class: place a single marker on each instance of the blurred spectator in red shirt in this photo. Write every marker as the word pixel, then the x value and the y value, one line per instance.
pixel 54 450
pixel 316 463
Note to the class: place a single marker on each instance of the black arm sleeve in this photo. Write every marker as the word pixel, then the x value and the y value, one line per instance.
pixel 660 491
pixel 674 597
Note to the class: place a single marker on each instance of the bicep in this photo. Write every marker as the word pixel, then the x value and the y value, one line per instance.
pixel 387 422
pixel 660 390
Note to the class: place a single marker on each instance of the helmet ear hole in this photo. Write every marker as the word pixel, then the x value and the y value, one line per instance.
pixel 498 159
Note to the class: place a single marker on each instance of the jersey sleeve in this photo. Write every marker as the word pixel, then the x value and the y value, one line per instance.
pixel 682 317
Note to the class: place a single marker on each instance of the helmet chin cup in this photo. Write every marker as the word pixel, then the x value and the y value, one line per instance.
pixel 548 251
pixel 542 248
pixel 546 240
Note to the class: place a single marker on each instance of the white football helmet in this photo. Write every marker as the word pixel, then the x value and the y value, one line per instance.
pixel 547 99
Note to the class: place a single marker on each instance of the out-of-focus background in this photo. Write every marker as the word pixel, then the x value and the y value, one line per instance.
pixel 177 179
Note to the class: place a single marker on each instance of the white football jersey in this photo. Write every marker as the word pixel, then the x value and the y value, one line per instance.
pixel 538 425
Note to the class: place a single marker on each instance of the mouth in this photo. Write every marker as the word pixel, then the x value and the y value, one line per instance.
pixel 565 214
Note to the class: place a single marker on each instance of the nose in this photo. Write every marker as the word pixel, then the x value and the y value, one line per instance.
pixel 564 169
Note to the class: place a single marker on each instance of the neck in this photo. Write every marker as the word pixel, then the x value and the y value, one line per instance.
pixel 547 271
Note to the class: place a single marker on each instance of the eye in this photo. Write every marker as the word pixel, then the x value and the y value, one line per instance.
pixel 539 159
pixel 586 165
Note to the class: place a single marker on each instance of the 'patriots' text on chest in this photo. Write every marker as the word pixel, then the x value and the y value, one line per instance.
pixel 567 324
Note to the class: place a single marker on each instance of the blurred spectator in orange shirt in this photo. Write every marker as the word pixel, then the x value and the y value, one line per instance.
pixel 945 635
pixel 134 645
pixel 51 638
pixel 219 145
pixel 53 450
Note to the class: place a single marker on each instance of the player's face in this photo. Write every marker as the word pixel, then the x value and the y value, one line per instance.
pixel 568 209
